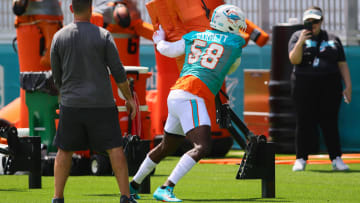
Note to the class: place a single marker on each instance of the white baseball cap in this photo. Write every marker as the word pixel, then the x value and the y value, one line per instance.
pixel 312 14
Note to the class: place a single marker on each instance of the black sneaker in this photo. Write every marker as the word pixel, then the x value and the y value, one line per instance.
pixel 125 199
pixel 57 200
pixel 132 199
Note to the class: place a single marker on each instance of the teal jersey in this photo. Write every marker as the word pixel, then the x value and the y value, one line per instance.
pixel 209 56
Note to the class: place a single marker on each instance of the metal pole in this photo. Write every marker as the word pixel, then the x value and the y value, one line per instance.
pixel 351 22
pixel 35 159
pixel 264 15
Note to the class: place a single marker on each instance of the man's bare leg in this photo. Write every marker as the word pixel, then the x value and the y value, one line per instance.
pixel 120 168
pixel 167 146
pixel 62 168
pixel 201 139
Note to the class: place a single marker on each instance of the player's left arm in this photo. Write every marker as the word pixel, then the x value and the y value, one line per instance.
pixel 169 49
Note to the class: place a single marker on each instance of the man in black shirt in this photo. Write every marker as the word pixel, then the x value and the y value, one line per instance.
pixel 81 54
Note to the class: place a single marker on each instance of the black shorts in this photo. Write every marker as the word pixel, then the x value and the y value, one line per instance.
pixel 97 129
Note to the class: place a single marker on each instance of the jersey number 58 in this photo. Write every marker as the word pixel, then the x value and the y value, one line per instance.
pixel 210 58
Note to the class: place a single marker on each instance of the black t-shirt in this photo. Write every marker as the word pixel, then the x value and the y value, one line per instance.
pixel 321 54
pixel 81 56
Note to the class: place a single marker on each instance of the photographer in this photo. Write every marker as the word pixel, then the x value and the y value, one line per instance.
pixel 319 68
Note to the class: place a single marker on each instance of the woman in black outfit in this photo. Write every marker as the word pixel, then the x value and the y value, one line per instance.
pixel 319 68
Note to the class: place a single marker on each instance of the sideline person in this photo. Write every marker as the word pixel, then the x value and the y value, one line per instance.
pixel 81 54
pixel 210 56
pixel 123 20
pixel 319 69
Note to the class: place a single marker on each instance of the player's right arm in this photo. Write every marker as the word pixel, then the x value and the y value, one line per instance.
pixel 169 49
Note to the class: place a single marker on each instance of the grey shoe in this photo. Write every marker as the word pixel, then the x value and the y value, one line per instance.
pixel 339 165
pixel 299 165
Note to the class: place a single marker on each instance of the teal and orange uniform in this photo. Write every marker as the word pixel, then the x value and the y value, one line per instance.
pixel 209 56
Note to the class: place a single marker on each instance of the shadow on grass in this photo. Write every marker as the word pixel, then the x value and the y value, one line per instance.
pixel 240 200
pixel 331 171
pixel 230 156
pixel 205 200
pixel 160 175
pixel 13 190
pixel 103 195
pixel 170 158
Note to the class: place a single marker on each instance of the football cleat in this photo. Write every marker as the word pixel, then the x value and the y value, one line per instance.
pixel 166 195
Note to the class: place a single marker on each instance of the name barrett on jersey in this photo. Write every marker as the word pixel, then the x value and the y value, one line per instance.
pixel 216 37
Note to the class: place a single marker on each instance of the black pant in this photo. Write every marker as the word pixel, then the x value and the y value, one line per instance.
pixel 317 102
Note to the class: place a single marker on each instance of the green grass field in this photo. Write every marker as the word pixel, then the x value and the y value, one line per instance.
pixel 204 183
